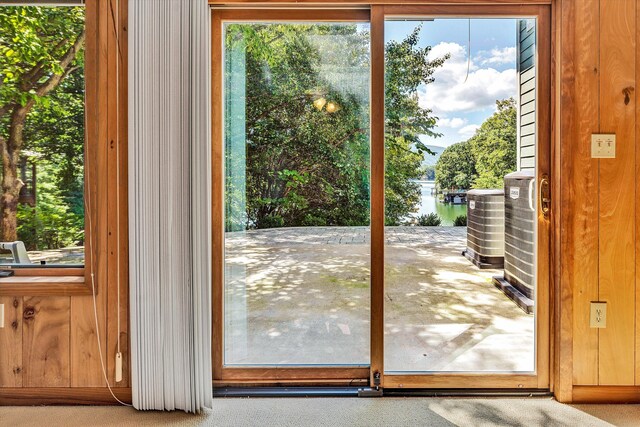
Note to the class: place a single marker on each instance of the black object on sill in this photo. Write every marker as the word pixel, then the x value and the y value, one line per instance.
pixel 6 273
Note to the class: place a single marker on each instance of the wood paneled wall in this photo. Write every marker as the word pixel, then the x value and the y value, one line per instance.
pixel 50 342
pixel 599 210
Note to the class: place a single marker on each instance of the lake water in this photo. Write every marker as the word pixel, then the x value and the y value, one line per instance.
pixel 429 204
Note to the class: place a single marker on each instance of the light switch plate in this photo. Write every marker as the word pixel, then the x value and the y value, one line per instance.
pixel 598 318
pixel 603 146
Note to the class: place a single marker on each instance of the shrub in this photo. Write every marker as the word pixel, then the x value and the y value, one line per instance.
pixel 460 221
pixel 271 221
pixel 430 220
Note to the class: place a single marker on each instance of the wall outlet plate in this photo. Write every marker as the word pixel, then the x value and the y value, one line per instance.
pixel 598 318
pixel 603 146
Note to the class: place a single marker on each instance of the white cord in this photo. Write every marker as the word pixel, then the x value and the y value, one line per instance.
pixel 118 170
pixel 93 289
pixel 104 370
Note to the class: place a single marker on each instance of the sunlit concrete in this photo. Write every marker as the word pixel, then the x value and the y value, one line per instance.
pixel 301 296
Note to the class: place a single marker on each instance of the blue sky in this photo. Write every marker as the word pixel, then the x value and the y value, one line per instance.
pixel 462 106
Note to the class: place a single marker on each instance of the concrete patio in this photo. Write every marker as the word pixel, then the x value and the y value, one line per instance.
pixel 301 296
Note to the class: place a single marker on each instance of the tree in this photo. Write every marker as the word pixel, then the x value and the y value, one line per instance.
pixel 54 133
pixel 494 146
pixel 306 137
pixel 406 69
pixel 307 163
pixel 456 167
pixel 430 172
pixel 39 48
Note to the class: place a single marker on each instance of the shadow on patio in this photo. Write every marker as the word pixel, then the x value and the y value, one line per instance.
pixel 301 296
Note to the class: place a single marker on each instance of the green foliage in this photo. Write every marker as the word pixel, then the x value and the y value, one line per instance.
pixel 51 224
pixel 430 220
pixel 483 160
pixel 494 146
pixel 406 68
pixel 34 38
pixel 307 164
pixel 460 221
pixel 430 172
pixel 55 134
pixel 456 167
pixel 304 165
pixel 32 42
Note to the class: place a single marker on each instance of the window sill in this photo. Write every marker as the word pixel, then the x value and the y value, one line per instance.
pixel 43 286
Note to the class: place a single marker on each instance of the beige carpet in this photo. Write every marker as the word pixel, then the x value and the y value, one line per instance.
pixel 332 412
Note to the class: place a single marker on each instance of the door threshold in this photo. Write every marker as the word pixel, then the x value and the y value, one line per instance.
pixel 457 392
pixel 370 392
pixel 285 391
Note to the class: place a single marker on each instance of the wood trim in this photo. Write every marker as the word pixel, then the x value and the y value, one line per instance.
pixel 43 286
pixel 508 9
pixel 327 3
pixel 30 272
pixel 467 381
pixel 293 373
pixel 606 394
pixel 545 157
pixel 320 15
pixel 556 206
pixel 119 222
pixel 220 372
pixel 217 199
pixel 377 205
pixel 225 375
pixel 92 65
pixel 341 382
pixel 217 190
pixel 62 396
pixel 637 198
pixel 554 247
pixel 565 128
pixel 546 154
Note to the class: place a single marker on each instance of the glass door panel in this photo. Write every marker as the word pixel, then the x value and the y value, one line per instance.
pixel 460 235
pixel 297 191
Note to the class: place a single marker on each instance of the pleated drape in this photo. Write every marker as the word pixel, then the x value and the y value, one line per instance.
pixel 170 204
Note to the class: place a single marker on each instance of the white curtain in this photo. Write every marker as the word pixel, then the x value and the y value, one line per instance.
pixel 169 204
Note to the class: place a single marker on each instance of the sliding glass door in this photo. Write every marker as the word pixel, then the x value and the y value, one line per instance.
pixel 296 155
pixel 466 239
pixel 377 196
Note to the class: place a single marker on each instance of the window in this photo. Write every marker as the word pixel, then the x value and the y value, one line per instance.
pixel 42 134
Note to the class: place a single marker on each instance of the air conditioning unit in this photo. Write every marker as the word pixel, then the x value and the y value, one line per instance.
pixel 519 239
pixel 485 228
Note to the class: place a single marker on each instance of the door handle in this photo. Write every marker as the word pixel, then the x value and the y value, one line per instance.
pixel 545 196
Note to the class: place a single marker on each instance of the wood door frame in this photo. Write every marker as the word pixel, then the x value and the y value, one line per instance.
pixel 334 375
pixel 540 379
pixel 258 375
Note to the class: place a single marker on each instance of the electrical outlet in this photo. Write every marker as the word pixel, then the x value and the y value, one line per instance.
pixel 598 314
pixel 603 146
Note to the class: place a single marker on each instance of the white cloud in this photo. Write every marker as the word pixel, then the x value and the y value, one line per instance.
pixel 468 131
pixel 506 55
pixel 453 123
pixel 449 92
